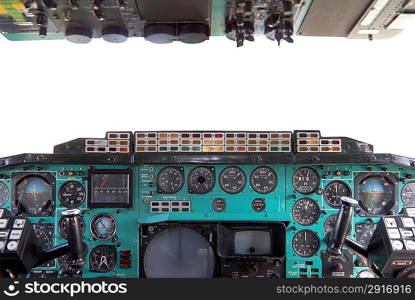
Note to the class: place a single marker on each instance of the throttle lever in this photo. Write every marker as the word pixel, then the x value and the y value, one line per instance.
pixel 342 225
pixel 77 247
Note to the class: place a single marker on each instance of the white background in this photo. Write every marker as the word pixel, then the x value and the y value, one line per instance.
pixel 55 91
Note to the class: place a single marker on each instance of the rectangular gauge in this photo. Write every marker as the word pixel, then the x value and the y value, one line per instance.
pixel 110 188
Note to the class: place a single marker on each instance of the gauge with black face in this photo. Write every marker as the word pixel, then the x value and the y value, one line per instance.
pixel 201 180
pixel 407 194
pixel 375 193
pixel 44 232
pixel 334 191
pixel 72 194
pixel 4 193
pixel 62 227
pixel 34 196
pixel 306 211
pixel 103 258
pixel 306 243
pixel 331 222
pixel 305 180
pixel 170 180
pixel 103 226
pixel 263 180
pixel 232 180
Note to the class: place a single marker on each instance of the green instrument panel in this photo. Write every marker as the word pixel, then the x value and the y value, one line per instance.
pixel 124 209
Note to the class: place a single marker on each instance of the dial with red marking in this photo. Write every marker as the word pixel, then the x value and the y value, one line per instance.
pixel 103 226
pixel 33 195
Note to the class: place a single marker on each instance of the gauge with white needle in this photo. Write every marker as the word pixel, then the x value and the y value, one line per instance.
pixel 170 180
pixel 201 180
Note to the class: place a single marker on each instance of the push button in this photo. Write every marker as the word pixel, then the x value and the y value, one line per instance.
pixel 3 234
pixel 12 246
pixel 410 244
pixel 406 233
pixel 3 223
pixel 19 223
pixel 390 222
pixel 394 234
pixel 408 222
pixel 15 234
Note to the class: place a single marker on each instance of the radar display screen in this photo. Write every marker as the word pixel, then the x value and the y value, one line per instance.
pixel 110 189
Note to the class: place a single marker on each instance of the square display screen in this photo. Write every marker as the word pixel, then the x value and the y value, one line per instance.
pixel 252 242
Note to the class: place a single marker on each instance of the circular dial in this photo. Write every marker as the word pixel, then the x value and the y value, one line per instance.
pixel 263 180
pixel 103 258
pixel 201 180
pixel 305 180
pixel 334 191
pixel 306 243
pixel 219 205
pixel 103 226
pixel 62 227
pixel 34 195
pixel 407 194
pixel 72 194
pixel 4 193
pixel 376 194
pixel 258 205
pixel 366 274
pixel 331 222
pixel 170 180
pixel 232 180
pixel 306 211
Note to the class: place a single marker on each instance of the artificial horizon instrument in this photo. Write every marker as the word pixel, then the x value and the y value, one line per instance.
pixel 208 204
pixel 194 21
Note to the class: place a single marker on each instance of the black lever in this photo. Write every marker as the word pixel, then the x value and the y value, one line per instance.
pixel 73 228
pixel 342 225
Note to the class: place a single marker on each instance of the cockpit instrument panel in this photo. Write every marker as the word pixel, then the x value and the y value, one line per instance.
pixel 205 204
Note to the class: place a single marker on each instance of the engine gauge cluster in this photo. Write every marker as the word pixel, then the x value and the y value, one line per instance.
pixel 305 180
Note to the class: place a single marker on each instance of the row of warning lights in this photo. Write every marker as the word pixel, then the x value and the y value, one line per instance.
pixel 213 149
pixel 319 142
pixel 319 149
pixel 104 142
pixel 213 142
pixel 212 135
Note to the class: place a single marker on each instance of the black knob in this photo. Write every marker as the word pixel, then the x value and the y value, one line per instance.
pixel 78 35
pixel 342 225
pixel 160 33
pixel 73 226
pixel 193 33
pixel 115 34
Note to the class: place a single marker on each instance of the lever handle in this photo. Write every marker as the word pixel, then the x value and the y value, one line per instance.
pixel 342 225
pixel 73 228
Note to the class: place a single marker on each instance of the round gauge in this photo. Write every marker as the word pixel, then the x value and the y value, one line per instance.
pixel 170 180
pixel 232 180
pixel 4 193
pixel 305 180
pixel 179 252
pixel 366 274
pixel 334 191
pixel 62 227
pixel 103 258
pixel 258 205
pixel 330 223
pixel 407 194
pixel 67 268
pixel 201 180
pixel 306 211
pixel 72 194
pixel 263 180
pixel 219 205
pixel 33 196
pixel 306 243
pixel 103 226
pixel 376 194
